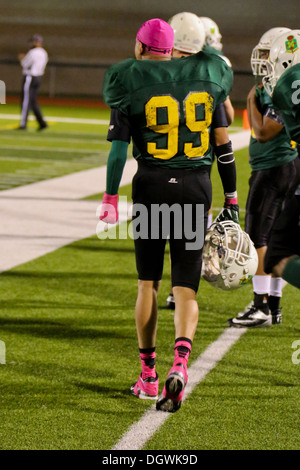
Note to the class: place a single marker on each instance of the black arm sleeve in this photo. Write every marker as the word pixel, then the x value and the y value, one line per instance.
pixel 119 127
pixel 226 167
pixel 219 117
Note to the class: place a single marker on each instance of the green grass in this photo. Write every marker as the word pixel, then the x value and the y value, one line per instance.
pixel 30 156
pixel 68 323
pixel 67 320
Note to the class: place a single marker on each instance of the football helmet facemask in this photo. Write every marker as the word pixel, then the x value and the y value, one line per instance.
pixel 284 53
pixel 189 33
pixel 261 52
pixel 212 33
pixel 229 258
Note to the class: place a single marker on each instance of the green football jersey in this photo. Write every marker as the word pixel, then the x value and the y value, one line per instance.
pixel 212 50
pixel 170 105
pixel 286 98
pixel 277 151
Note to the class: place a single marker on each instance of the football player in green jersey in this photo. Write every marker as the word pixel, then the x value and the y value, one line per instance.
pixel 282 82
pixel 213 37
pixel 169 109
pixel 213 45
pixel 274 165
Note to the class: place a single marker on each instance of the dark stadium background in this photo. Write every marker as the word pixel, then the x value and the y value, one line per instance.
pixel 84 37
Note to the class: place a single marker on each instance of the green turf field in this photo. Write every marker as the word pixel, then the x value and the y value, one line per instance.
pixel 67 320
pixel 63 148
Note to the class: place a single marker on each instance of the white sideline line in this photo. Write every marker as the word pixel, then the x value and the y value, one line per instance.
pixel 52 149
pixel 140 432
pixel 59 119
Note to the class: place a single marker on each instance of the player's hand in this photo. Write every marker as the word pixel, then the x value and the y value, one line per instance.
pixel 109 209
pixel 229 212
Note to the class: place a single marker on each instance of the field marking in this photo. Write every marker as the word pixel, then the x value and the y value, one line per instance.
pixel 16 117
pixel 32 137
pixel 50 149
pixel 139 433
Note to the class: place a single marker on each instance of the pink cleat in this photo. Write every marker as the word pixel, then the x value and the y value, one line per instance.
pixel 173 391
pixel 146 389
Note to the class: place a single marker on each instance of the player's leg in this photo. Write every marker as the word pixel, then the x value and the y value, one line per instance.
pixel 146 326
pixel 267 191
pixel 291 271
pixel 149 261
pixel 26 85
pixel 185 321
pixel 282 257
pixel 170 299
pixel 146 313
pixel 186 266
pixel 35 85
pixel 186 312
pixel 257 312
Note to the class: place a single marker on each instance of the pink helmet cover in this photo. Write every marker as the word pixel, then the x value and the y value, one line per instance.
pixel 157 35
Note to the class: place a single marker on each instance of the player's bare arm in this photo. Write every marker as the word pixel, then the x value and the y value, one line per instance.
pixel 264 127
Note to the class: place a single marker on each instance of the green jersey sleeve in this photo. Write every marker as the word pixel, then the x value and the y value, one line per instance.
pixel 286 98
pixel 219 72
pixel 277 151
pixel 114 90
pixel 286 95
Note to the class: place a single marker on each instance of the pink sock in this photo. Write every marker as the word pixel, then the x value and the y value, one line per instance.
pixel 148 364
pixel 182 351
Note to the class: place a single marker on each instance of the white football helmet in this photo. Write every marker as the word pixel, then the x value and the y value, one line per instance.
pixel 261 52
pixel 189 33
pixel 284 53
pixel 212 33
pixel 229 258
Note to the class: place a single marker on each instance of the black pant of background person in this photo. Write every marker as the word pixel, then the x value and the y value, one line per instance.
pixel 30 88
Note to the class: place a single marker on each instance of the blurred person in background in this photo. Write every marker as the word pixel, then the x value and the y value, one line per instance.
pixel 33 64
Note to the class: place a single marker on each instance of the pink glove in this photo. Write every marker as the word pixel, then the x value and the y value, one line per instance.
pixel 109 209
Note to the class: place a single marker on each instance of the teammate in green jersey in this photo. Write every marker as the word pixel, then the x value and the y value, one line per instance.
pixel 273 160
pixel 282 82
pixel 168 108
pixel 213 45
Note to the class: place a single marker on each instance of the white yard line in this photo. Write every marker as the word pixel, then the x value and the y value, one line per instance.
pixel 51 149
pixel 140 432
pixel 39 218
pixel 32 137
pixel 16 117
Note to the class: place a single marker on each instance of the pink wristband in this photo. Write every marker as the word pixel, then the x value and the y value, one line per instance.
pixel 231 201
pixel 109 208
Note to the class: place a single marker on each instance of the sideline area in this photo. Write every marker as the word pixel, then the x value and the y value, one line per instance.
pixel 39 218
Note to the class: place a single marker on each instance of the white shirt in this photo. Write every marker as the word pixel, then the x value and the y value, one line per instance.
pixel 34 62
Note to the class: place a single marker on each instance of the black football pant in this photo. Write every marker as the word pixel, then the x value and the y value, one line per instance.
pixel 30 88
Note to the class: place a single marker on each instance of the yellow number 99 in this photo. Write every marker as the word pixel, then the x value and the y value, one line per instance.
pixel 171 128
pixel 190 103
